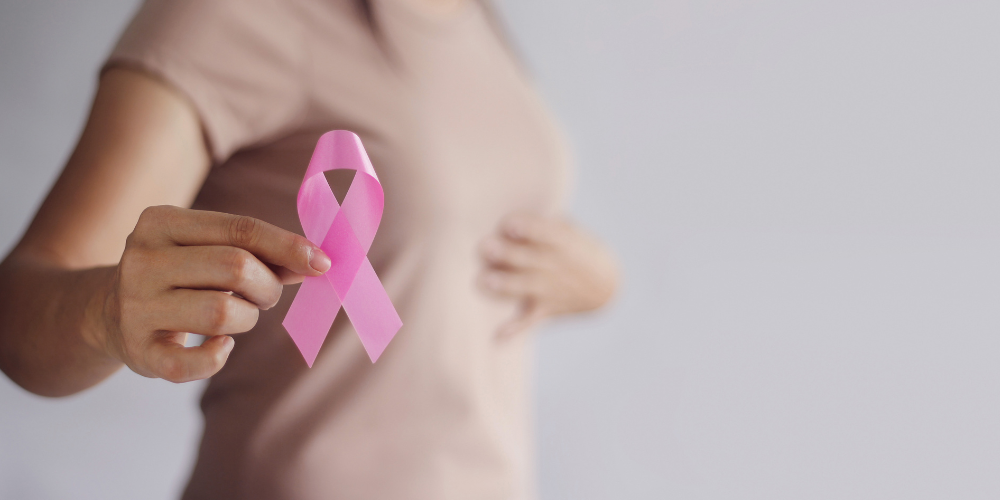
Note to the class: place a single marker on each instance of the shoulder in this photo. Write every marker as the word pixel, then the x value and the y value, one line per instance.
pixel 240 62
pixel 197 23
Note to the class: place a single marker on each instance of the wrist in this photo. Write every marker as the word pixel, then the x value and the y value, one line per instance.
pixel 100 322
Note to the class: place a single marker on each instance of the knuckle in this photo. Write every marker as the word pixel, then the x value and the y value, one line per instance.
pixel 152 217
pixel 150 214
pixel 132 241
pixel 273 296
pixel 135 250
pixel 240 265
pixel 155 220
pixel 172 370
pixel 300 249
pixel 145 226
pixel 220 313
pixel 243 230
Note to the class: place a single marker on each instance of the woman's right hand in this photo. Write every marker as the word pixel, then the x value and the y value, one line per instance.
pixel 200 272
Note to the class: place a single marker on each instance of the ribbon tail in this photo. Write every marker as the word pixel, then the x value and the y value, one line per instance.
pixel 311 315
pixel 368 306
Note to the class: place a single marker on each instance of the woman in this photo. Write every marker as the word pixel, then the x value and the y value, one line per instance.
pixel 216 105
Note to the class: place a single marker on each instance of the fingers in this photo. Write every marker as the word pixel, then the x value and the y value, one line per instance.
pixel 504 253
pixel 269 243
pixel 201 272
pixel 169 360
pixel 533 228
pixel 517 260
pixel 226 269
pixel 513 283
pixel 285 276
pixel 205 312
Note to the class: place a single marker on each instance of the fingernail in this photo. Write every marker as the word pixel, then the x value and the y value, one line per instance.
pixel 228 344
pixel 319 261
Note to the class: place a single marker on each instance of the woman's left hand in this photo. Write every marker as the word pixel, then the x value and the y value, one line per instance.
pixel 550 264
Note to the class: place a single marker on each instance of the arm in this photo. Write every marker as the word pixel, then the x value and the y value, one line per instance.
pixel 100 280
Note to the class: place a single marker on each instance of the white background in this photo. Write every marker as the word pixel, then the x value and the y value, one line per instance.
pixel 804 198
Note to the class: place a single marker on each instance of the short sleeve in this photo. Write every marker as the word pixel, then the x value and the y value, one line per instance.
pixel 239 62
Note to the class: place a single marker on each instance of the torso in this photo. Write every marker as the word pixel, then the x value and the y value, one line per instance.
pixel 459 139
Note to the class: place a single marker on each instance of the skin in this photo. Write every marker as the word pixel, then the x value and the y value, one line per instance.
pixel 111 272
pixel 550 264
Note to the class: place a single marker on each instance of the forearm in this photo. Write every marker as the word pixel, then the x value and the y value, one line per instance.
pixel 52 326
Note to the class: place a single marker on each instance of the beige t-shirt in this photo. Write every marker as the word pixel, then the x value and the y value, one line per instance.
pixel 459 139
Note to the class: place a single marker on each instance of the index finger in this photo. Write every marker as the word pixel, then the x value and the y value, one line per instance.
pixel 531 227
pixel 267 242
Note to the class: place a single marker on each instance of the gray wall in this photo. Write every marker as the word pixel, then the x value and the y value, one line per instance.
pixel 803 196
pixel 130 438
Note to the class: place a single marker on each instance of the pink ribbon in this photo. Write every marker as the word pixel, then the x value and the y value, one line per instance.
pixel 345 232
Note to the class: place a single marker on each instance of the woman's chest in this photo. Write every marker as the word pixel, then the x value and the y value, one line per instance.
pixel 457 134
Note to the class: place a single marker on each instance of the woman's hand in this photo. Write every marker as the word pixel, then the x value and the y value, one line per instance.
pixel 201 272
pixel 548 263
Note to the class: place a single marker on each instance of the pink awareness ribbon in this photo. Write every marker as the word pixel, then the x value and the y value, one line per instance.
pixel 345 232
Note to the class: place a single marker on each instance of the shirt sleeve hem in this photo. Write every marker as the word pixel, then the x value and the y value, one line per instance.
pixel 201 95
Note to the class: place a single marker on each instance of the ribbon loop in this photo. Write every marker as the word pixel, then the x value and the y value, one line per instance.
pixel 345 232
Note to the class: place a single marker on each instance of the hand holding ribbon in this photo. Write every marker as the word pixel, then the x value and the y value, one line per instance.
pixel 345 233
